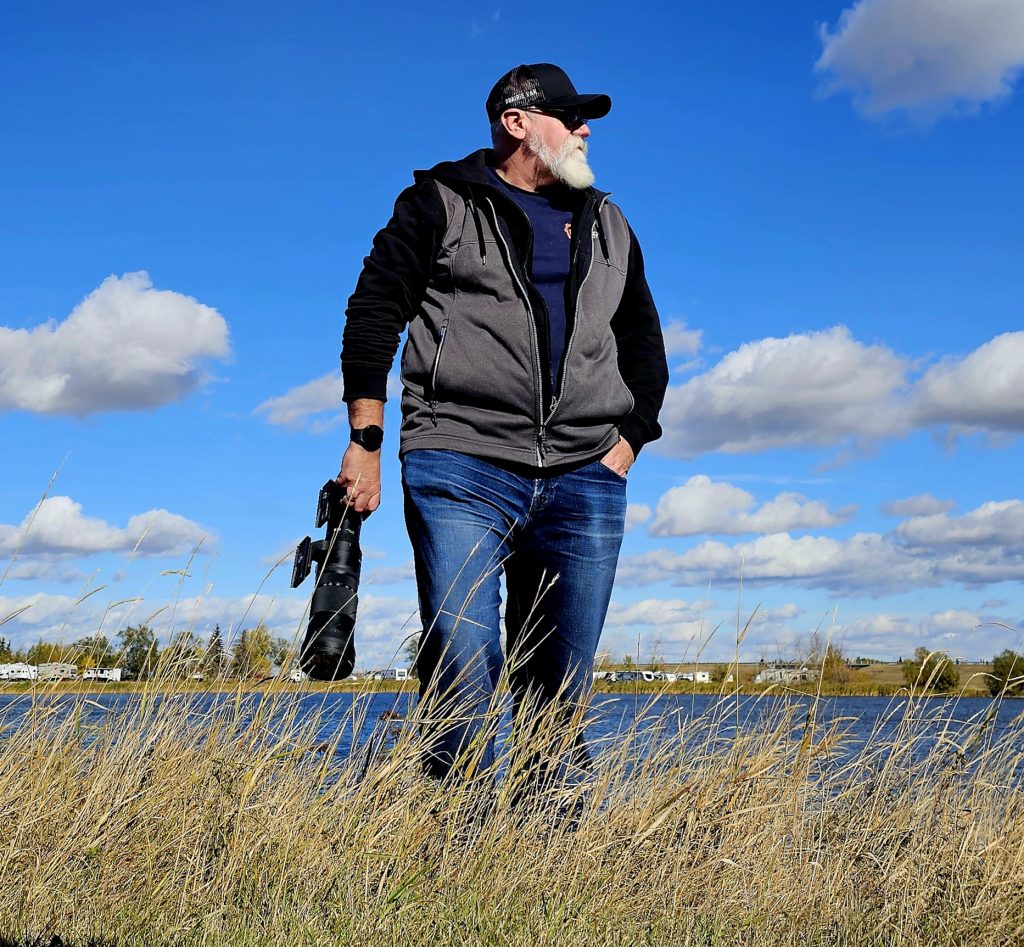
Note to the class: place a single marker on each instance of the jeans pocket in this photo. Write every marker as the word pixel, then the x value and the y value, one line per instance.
pixel 608 470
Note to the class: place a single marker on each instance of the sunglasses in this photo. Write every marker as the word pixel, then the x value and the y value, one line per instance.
pixel 571 118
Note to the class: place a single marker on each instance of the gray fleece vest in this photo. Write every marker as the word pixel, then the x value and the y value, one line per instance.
pixel 471 365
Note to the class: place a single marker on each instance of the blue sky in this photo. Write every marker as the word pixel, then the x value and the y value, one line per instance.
pixel 829 203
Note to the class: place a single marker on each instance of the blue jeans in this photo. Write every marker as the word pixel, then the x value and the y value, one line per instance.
pixel 556 540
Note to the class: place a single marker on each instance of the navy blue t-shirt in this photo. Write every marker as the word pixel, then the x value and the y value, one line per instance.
pixel 550 216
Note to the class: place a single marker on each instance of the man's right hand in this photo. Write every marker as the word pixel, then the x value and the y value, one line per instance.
pixel 360 476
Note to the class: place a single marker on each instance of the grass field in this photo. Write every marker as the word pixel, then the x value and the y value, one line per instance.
pixel 235 828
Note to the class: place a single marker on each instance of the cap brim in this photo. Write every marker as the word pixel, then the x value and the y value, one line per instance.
pixel 590 106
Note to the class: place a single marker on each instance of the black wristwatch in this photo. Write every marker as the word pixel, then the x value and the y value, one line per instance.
pixel 368 438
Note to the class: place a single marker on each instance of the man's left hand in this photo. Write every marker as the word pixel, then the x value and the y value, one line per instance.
pixel 620 458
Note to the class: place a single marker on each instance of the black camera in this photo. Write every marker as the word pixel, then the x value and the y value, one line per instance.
pixel 329 649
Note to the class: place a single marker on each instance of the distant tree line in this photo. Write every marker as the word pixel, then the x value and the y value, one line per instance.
pixel 138 653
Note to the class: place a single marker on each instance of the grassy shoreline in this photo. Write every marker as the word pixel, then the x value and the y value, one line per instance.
pixel 238 827
pixel 878 686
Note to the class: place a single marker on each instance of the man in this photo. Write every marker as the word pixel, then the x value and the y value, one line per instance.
pixel 533 373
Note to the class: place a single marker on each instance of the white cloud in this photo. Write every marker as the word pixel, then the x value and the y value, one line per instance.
pixel 996 523
pixel 825 389
pixel 955 620
pixel 294 408
pixel 981 391
pixel 44 570
pixel 656 611
pixel 923 504
pixel 125 347
pixel 924 57
pixel 786 612
pixel 817 389
pixel 863 564
pixel 385 575
pixel 679 339
pixel 636 515
pixel 954 630
pixel 702 505
pixel 315 406
pixel 984 546
pixel 59 529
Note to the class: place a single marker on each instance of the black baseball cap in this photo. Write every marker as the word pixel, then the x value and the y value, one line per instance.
pixel 542 85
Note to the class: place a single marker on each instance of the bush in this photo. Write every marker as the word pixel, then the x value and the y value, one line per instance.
pixel 931 669
pixel 1007 674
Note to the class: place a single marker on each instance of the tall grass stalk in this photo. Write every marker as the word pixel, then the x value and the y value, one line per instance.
pixel 234 822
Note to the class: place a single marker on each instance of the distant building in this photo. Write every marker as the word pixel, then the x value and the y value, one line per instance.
pixel 57 671
pixel 696 677
pixel 110 675
pixel 631 676
pixel 391 674
pixel 785 674
pixel 18 671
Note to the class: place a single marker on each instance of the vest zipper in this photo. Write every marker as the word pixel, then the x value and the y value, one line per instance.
pixel 433 375
pixel 539 424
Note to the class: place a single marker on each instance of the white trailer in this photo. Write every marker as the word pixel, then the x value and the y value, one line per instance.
pixel 19 671
pixel 102 674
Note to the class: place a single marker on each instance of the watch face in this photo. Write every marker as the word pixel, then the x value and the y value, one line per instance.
pixel 369 438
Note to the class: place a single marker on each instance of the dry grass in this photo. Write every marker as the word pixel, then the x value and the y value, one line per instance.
pixel 236 826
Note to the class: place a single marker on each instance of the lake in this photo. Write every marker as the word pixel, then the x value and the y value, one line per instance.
pixel 645 719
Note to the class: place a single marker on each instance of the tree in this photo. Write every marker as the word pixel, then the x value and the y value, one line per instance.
pixel 932 669
pixel 44 652
pixel 6 653
pixel 719 673
pixel 412 652
pixel 250 656
pixel 1007 674
pixel 215 659
pixel 627 661
pixel 656 660
pixel 139 651
pixel 93 651
pixel 239 655
pixel 281 653
pixel 182 657
pixel 829 657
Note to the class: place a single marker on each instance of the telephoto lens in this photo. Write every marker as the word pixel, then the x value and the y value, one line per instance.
pixel 329 650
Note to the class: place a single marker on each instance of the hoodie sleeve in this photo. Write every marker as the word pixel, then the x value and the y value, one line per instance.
pixel 641 353
pixel 389 290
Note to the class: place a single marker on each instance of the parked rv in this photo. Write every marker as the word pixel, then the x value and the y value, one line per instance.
pixel 19 671
pixel 105 675
pixel 631 676
pixel 57 671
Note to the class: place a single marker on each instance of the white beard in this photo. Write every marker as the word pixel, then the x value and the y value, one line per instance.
pixel 569 165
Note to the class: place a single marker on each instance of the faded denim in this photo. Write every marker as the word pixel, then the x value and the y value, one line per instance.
pixel 557 542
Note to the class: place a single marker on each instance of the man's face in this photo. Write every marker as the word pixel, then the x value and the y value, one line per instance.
pixel 561 151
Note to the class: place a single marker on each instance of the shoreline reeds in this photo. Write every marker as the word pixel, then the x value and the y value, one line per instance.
pixel 239 824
